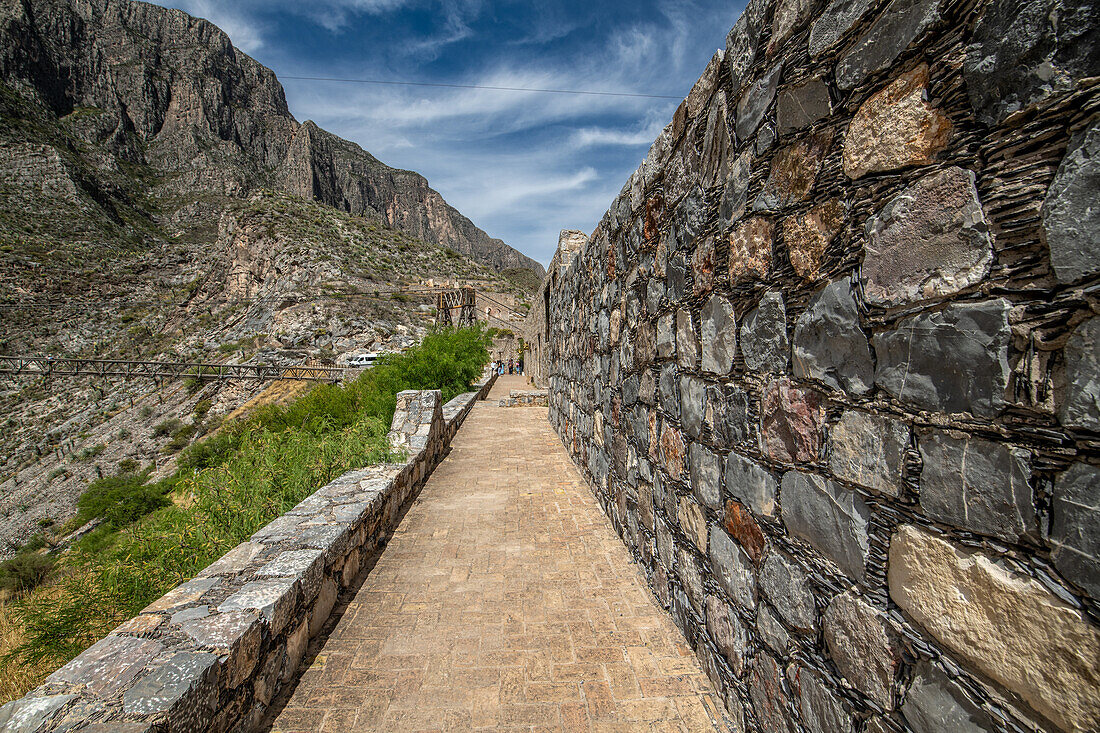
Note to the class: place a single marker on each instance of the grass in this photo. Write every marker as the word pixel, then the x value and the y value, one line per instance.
pixel 154 536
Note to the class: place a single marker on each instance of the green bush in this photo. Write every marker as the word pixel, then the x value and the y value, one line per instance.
pixel 167 427
pixel 25 571
pixel 121 500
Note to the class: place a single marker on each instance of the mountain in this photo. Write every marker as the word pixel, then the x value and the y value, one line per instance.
pixel 156 87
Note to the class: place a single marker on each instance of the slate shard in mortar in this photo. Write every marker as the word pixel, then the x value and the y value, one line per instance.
pixel 929 241
pixel 953 360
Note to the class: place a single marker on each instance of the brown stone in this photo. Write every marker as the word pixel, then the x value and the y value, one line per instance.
pixel 794 171
pixel 896 128
pixel 808 235
pixel 693 522
pixel 792 422
pixel 654 211
pixel 751 249
pixel 672 451
pixel 702 264
pixel 1006 625
pixel 741 525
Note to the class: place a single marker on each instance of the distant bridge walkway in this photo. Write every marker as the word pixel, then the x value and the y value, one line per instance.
pixel 504 601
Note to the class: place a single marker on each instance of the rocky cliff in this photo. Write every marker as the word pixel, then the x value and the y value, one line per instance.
pixel 158 88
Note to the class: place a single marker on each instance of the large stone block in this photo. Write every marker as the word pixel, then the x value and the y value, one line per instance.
pixel 751 483
pixel 687 348
pixel 772 631
pixel 1025 50
pixel 953 360
pixel 803 104
pixel 769 698
pixel 808 234
pixel 754 102
pixel 718 332
pixel 1006 625
pixel 742 43
pixel 183 686
pixel 274 599
pixel 104 669
pixel 729 633
pixel 735 194
pixel 691 577
pixel 706 476
pixel 822 710
pixel 751 249
pixel 829 517
pixel 896 128
pixel 793 172
pixel 692 521
pixel 899 24
pixel 787 19
pixel 978 485
pixel 869 450
pixel 1079 401
pixel 835 21
pixel 934 703
pixel 702 266
pixel 829 345
pixel 1075 527
pixel 717 144
pixel 788 588
pixel 792 423
pixel 672 451
pixel 29 714
pixel 732 568
pixel 668 388
pixel 929 241
pixel 728 415
pixel 1071 218
pixel 693 405
pixel 864 647
pixel 742 526
pixel 764 335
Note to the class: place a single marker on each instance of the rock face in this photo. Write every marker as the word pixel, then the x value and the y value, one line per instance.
pixel 1070 216
pixel 171 92
pixel 1007 625
pixel 895 128
pixel 828 343
pixel 808 234
pixel 751 249
pixel 802 105
pixel 755 102
pixel 718 332
pixel 935 703
pixel 835 21
pixel 929 241
pixel 954 360
pixel 793 173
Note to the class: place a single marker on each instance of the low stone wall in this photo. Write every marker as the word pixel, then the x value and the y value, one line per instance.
pixel 526 398
pixel 211 654
pixel 830 362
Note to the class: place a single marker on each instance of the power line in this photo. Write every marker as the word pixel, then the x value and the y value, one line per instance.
pixel 476 86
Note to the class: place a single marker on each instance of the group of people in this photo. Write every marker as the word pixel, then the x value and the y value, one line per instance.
pixel 512 366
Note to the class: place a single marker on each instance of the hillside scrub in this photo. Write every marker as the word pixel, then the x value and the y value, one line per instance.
pixel 154 536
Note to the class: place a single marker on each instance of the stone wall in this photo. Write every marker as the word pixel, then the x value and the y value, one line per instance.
pixel 830 364
pixel 211 654
pixel 536 327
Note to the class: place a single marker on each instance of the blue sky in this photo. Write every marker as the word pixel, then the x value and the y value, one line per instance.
pixel 522 166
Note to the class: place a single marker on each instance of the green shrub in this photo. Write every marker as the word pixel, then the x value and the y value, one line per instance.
pixel 25 571
pixel 201 408
pixel 167 427
pixel 121 500
pixel 90 452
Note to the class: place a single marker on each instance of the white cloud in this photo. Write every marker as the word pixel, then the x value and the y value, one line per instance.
pixel 243 29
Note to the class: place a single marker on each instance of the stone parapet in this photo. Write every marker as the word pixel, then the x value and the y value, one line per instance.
pixel 526 398
pixel 211 654
pixel 830 363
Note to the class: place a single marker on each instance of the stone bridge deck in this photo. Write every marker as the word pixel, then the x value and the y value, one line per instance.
pixel 504 601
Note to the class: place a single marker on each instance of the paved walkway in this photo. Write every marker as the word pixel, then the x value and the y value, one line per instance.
pixel 505 601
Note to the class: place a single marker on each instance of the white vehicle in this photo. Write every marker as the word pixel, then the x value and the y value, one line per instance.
pixel 362 361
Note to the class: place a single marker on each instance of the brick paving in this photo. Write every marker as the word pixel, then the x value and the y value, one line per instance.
pixel 504 602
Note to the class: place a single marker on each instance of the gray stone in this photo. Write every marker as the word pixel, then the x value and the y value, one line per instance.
pixel 693 405
pixel 647 388
pixel 1071 218
pixel 788 588
pixel 728 414
pixel 802 105
pixel 1024 51
pixel 234 561
pixel 934 703
pixel 772 631
pixel 953 360
pixel 630 390
pixel 901 23
pixel 729 633
pixel 834 22
pixel 291 563
pixel 718 332
pixel 769 699
pixel 1075 527
pixel 742 42
pixel 869 450
pixel 676 277
pixel 691 577
pixel 749 482
pixel 669 389
pixel 706 476
pixel 1079 406
pixel 108 666
pixel 182 685
pixel 183 595
pixel 754 102
pixel 654 295
pixel 693 522
pixel 930 240
pixel 732 567
pixel 787 18
pixel 863 646
pixel 822 710
pixel 735 195
pixel 764 342
pixel 687 349
pixel 28 714
pixel 274 599
pixel 765 138
pixel 717 144
pixel 666 336
pixel 831 518
pixel 978 485
pixel 190 614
